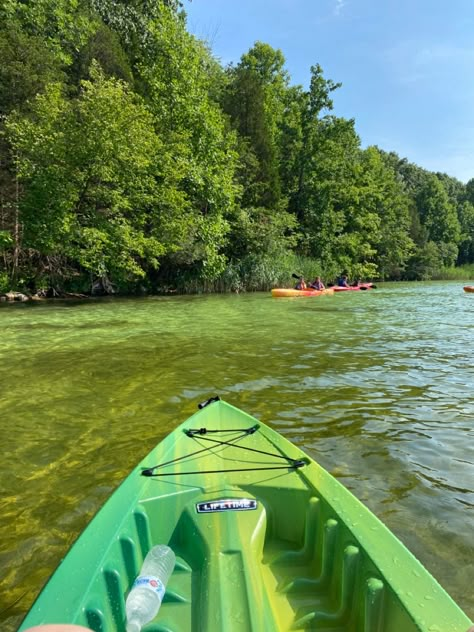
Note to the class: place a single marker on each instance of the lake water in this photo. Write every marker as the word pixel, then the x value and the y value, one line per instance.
pixel 377 386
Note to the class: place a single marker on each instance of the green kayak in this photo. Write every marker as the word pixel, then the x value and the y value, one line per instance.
pixel 265 540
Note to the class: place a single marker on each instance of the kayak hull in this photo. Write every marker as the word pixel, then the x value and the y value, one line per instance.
pixel 469 288
pixel 265 540
pixel 289 292
pixel 356 288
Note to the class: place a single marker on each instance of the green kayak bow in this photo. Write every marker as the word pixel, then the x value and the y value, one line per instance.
pixel 265 540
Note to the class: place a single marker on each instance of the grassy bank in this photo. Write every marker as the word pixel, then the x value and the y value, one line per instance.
pixel 462 273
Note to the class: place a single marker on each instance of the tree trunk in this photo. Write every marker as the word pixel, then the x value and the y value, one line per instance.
pixel 16 232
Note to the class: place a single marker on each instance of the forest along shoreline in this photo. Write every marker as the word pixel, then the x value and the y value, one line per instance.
pixel 129 152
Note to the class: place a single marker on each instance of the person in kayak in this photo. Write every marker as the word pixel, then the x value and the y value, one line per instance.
pixel 301 285
pixel 342 281
pixel 317 284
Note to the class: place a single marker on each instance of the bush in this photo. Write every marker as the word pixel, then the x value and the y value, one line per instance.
pixel 461 273
pixel 4 282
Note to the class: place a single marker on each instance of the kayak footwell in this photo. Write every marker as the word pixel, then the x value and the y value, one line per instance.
pixel 308 578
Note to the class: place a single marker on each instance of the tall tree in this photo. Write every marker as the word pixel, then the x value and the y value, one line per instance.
pixel 255 101
pixel 386 196
pixel 26 69
pixel 439 217
pixel 174 73
pixel 466 222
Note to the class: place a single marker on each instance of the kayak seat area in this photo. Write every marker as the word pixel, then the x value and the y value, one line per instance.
pixel 290 564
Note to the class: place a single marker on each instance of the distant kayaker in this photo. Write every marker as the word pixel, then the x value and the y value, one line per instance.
pixel 342 281
pixel 317 284
pixel 301 285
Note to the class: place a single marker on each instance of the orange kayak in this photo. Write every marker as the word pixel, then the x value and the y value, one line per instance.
pixel 469 288
pixel 291 292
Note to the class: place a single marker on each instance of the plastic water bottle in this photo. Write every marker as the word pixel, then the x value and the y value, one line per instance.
pixel 144 600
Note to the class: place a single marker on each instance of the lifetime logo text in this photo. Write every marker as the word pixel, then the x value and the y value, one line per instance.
pixel 227 504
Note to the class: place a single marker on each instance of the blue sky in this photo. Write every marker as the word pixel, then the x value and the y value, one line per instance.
pixel 407 66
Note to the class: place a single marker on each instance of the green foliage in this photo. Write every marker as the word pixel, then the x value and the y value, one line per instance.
pixel 255 102
pixel 90 167
pixel 387 199
pixel 426 263
pixel 6 240
pixel 105 48
pixel 470 191
pixel 259 231
pixel 438 214
pixel 466 222
pixel 63 25
pixel 4 282
pixel 27 66
pixel 461 273
pixel 128 154
pixel 195 134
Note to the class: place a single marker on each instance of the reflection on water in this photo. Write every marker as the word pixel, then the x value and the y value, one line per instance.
pixel 377 386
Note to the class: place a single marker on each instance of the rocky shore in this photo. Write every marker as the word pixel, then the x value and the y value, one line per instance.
pixel 20 297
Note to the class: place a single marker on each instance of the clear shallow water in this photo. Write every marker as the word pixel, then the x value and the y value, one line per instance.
pixel 377 386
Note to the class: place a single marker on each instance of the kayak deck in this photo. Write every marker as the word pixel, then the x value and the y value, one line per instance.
pixel 265 539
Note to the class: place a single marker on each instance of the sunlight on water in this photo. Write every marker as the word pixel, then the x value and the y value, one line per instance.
pixel 377 386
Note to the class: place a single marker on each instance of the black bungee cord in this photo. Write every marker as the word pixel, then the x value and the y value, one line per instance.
pixel 201 432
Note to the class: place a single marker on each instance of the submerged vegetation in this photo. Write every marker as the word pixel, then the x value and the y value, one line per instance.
pixel 132 161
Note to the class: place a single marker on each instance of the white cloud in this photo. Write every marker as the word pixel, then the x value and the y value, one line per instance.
pixel 340 4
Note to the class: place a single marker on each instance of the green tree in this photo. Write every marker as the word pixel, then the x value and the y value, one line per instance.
pixel 255 102
pixel 63 25
pixel 393 205
pixel 438 215
pixel 382 214
pixel 425 263
pixel 91 170
pixel 470 191
pixel 466 221
pixel 27 66
pixel 104 47
pixel 179 93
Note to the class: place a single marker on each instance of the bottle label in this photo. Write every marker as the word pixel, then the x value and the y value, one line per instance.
pixel 152 583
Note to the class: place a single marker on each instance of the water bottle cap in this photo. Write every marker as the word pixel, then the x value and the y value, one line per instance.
pixel 133 626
